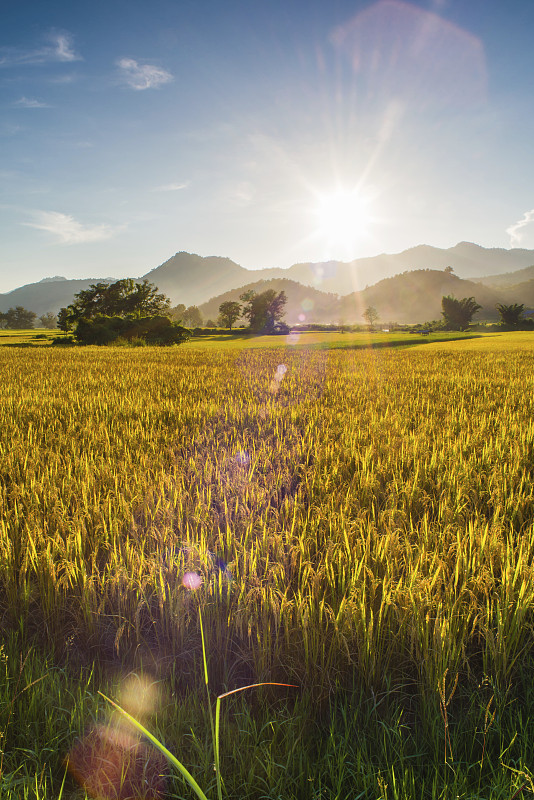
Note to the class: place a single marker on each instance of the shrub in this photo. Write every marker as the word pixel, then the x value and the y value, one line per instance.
pixel 64 340
pixel 103 330
pixel 281 329
pixel 135 341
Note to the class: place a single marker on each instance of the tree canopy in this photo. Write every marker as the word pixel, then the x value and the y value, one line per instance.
pixel 18 318
pixel 124 311
pixel 457 314
pixel 229 313
pixel 120 299
pixel 264 311
pixel 48 320
pixel 192 318
pixel 510 315
pixel 156 330
pixel 370 315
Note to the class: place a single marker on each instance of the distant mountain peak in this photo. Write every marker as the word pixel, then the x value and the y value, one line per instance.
pixel 471 247
pixel 55 279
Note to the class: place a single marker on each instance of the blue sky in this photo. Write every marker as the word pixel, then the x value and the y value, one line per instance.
pixel 270 133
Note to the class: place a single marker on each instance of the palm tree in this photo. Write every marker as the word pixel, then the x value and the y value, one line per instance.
pixel 458 313
pixel 510 315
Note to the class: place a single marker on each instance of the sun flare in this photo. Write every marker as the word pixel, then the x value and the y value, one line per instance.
pixel 343 220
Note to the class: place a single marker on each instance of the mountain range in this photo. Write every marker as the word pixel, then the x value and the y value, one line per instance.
pixel 404 287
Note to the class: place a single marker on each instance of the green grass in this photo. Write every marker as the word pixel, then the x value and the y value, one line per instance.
pixel 519 341
pixel 297 340
pixel 327 340
pixel 306 340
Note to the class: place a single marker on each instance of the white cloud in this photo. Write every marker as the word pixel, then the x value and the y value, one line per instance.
pixel 170 187
pixel 30 102
pixel 142 76
pixel 63 48
pixel 513 230
pixel 60 48
pixel 68 230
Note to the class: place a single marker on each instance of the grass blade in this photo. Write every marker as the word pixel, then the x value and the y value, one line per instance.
pixel 168 755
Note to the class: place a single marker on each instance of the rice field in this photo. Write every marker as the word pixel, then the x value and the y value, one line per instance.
pixel 362 523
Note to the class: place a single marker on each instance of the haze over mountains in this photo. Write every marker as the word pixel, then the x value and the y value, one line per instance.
pixel 404 287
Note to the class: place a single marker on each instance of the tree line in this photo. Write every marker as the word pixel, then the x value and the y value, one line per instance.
pixel 458 314
pixel 128 300
pixel 263 311
pixel 138 312
pixel 19 318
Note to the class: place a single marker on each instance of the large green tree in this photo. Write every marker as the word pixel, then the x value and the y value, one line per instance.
pixel 457 314
pixel 370 315
pixel 264 311
pixel 192 318
pixel 120 299
pixel 48 320
pixel 229 313
pixel 18 318
pixel 176 313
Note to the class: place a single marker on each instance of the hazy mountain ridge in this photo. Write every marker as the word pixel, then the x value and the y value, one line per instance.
pixel 304 303
pixel 415 296
pixel 46 295
pixel 468 260
pixel 514 278
pixel 192 279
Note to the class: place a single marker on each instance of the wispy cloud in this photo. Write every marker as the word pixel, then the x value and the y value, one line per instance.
pixel 63 50
pixel 59 48
pixel 68 230
pixel 10 129
pixel 243 193
pixel 514 230
pixel 70 77
pixel 30 102
pixel 170 187
pixel 142 76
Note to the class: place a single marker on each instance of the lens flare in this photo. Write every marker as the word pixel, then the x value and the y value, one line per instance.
pixel 191 581
pixel 139 696
pixel 293 338
pixel 112 764
pixel 278 378
pixel 110 761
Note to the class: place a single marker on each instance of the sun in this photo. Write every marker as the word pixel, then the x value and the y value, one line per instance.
pixel 343 219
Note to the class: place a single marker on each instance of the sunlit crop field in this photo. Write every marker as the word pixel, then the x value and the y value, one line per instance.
pixel 362 520
pixel 33 337
pixel 328 340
